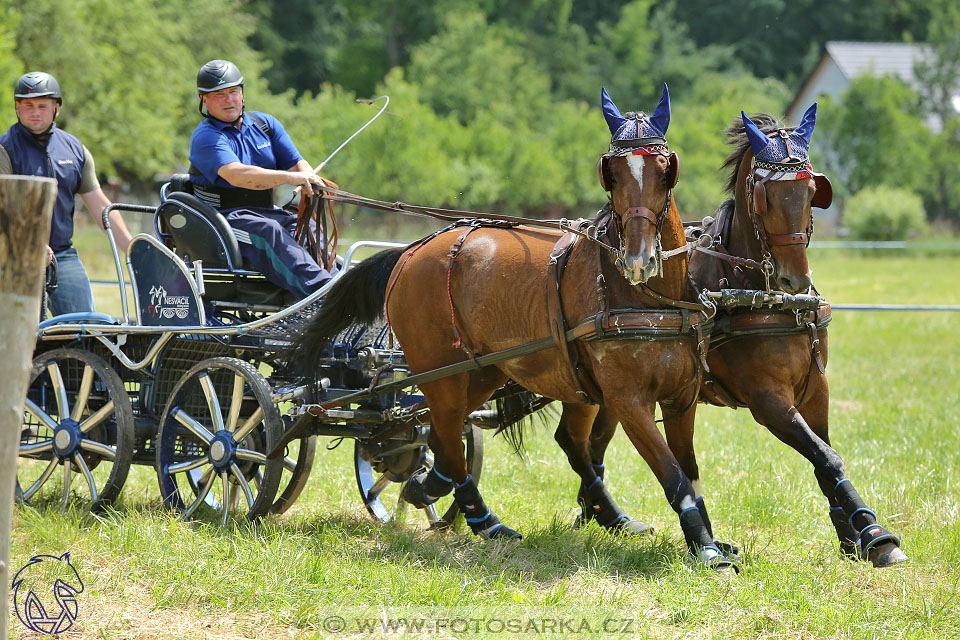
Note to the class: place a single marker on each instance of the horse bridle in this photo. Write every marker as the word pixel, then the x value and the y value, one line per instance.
pixel 646 147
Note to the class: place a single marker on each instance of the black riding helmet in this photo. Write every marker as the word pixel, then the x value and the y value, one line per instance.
pixel 38 84
pixel 216 75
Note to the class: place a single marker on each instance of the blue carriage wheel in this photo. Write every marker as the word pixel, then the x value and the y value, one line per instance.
pixel 77 433
pixel 380 478
pixel 215 432
pixel 296 472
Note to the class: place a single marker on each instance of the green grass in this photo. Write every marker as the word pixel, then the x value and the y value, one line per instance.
pixel 894 416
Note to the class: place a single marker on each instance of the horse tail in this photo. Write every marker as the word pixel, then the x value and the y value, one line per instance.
pixel 358 297
pixel 518 412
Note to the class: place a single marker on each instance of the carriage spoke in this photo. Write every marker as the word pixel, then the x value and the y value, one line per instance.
pixel 192 425
pixel 41 415
pixel 187 465
pixel 32 489
pixel 103 450
pixel 236 401
pixel 227 497
pixel 213 402
pixel 377 488
pixel 85 471
pixel 83 394
pixel 235 470
pixel 249 425
pixel 36 447
pixel 201 494
pixel 251 456
pixel 56 379
pixel 66 483
pixel 96 418
pixel 258 479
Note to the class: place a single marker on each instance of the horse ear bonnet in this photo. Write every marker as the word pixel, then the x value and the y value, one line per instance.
pixel 638 126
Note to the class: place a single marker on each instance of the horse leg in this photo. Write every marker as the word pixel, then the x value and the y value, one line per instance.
pixel 573 432
pixel 450 401
pixel 857 529
pixel 679 431
pixel 638 423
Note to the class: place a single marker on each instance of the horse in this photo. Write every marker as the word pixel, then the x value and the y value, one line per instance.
pixel 773 362
pixel 480 288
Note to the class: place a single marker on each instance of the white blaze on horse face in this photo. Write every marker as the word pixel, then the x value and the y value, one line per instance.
pixel 636 168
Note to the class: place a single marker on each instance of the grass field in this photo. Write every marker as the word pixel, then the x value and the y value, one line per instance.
pixel 326 570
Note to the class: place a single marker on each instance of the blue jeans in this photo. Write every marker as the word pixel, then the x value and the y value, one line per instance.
pixel 73 291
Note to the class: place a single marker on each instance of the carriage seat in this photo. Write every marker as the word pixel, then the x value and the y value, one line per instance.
pixel 208 236
pixel 196 231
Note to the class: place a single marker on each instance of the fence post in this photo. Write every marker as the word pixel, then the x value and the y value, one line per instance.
pixel 26 205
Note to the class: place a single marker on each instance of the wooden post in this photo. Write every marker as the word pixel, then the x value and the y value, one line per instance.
pixel 26 205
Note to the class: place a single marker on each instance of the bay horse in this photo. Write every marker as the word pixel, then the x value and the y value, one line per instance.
pixel 479 288
pixel 773 362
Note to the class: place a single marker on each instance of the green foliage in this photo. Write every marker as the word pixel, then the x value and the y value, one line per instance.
pixel 884 213
pixel 11 67
pixel 877 136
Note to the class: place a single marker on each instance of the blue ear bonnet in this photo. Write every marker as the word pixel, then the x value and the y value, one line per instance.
pixel 640 125
pixel 775 149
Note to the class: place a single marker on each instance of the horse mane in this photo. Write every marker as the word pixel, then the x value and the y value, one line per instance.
pixel 737 138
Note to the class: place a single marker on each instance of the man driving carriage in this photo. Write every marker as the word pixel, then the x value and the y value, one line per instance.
pixel 236 158
pixel 34 146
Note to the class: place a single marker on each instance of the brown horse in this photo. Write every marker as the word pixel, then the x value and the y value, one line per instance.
pixel 478 289
pixel 771 361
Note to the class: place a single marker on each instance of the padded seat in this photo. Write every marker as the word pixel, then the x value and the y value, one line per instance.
pixel 196 231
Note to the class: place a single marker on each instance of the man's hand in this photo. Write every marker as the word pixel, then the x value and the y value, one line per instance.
pixel 49 257
pixel 306 180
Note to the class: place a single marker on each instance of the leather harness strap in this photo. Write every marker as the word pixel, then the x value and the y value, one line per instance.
pixel 585 387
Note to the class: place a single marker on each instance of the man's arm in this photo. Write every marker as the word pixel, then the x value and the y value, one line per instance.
pixel 252 177
pixel 96 201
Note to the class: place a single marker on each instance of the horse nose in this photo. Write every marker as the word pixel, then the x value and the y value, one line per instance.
pixel 795 283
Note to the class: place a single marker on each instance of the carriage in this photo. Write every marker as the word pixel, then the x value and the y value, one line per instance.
pixel 195 379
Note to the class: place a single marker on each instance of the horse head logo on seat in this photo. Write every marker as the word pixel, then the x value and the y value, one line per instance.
pixel 781 189
pixel 639 172
pixel 43 575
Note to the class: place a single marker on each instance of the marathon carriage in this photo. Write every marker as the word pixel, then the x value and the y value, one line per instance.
pixel 197 383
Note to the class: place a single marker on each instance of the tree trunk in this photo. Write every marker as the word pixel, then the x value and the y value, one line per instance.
pixel 26 205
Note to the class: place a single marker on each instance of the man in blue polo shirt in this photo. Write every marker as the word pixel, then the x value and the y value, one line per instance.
pixel 236 158
pixel 34 146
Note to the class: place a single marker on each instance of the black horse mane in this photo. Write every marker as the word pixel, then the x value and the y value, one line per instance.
pixel 737 138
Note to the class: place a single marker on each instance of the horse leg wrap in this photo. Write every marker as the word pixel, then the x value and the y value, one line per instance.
pixel 730 551
pixel 426 487
pixel 597 504
pixel 859 516
pixel 700 543
pixel 845 533
pixel 482 521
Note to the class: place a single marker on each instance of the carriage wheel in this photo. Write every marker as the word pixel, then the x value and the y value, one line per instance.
pixel 77 433
pixel 296 472
pixel 214 435
pixel 381 479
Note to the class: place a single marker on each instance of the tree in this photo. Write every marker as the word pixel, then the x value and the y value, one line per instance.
pixel 878 136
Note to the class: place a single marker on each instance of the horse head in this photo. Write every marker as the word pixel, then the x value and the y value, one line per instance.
pixel 777 187
pixel 639 172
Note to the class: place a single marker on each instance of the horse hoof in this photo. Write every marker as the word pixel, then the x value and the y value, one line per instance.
pixel 730 551
pixel 631 528
pixel 503 533
pixel 887 555
pixel 711 558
